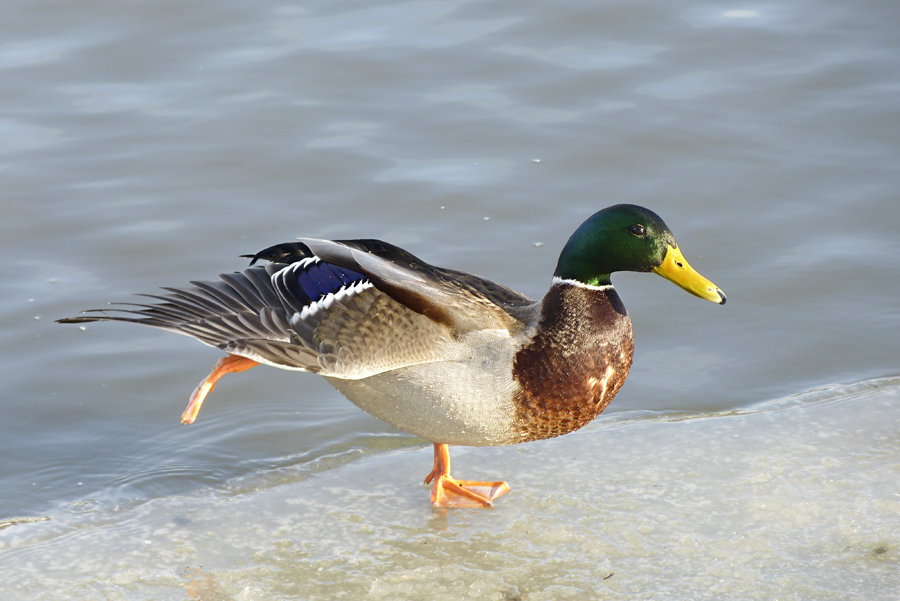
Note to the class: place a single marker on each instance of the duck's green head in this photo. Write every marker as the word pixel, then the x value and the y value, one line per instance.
pixel 629 238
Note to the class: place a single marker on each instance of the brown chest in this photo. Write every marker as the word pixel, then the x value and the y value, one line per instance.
pixel 575 364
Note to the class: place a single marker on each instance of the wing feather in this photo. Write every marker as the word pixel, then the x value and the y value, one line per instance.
pixel 346 309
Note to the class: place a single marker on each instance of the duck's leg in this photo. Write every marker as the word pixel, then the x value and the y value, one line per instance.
pixel 225 365
pixel 450 492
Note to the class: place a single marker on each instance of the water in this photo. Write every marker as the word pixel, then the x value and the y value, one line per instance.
pixel 753 451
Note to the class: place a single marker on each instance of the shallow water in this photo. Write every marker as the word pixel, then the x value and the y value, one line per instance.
pixel 701 507
pixel 751 454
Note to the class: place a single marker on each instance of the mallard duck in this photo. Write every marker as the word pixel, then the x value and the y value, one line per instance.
pixel 445 355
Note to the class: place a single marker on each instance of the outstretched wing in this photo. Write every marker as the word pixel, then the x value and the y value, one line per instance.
pixel 242 312
pixel 344 309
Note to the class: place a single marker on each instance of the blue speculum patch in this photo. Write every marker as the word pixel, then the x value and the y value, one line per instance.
pixel 320 278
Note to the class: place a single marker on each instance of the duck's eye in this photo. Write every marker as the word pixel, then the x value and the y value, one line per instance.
pixel 637 229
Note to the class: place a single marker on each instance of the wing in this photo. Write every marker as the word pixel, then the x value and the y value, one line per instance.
pixel 366 308
pixel 242 313
pixel 461 301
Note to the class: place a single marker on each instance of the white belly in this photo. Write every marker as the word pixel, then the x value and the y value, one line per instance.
pixel 466 399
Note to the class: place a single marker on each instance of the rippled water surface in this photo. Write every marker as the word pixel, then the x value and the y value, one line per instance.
pixel 753 453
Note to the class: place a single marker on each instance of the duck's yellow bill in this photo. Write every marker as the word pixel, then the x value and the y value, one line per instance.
pixel 678 271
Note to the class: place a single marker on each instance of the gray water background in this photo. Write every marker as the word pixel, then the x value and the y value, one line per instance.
pixel 148 144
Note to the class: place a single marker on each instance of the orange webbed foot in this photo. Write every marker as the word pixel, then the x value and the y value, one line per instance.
pixel 225 365
pixel 450 492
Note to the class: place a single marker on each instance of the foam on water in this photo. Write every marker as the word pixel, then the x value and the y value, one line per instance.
pixel 792 499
